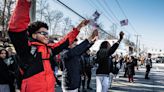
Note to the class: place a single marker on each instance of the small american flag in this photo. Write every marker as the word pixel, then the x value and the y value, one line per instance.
pixel 124 22
pixel 96 15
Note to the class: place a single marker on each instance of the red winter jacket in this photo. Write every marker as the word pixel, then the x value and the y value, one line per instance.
pixel 38 74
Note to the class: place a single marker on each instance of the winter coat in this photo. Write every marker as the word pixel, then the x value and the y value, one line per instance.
pixel 37 72
pixel 87 63
pixel 4 73
pixel 103 56
pixel 130 68
pixel 72 66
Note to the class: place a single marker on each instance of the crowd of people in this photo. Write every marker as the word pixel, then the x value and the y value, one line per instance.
pixel 10 78
pixel 76 67
pixel 33 65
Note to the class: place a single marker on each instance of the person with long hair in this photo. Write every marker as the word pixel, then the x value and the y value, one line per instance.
pixel 104 64
pixel 4 72
pixel 87 71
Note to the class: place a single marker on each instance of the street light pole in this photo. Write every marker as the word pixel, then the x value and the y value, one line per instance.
pixel 137 47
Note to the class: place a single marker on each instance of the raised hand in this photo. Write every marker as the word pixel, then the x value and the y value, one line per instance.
pixel 94 36
pixel 121 35
pixel 82 24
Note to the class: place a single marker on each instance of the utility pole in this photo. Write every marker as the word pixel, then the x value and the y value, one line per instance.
pixel 114 28
pixel 137 44
pixel 33 11
pixel 143 47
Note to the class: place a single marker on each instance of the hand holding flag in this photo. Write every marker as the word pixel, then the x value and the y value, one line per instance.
pixel 93 21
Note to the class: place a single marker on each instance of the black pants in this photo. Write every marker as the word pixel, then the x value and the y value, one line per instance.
pixel 88 75
pixel 147 71
pixel 125 74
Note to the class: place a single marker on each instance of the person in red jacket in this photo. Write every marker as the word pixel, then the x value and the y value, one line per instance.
pixel 32 45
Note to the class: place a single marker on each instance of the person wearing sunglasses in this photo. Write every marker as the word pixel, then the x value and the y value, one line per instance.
pixel 32 45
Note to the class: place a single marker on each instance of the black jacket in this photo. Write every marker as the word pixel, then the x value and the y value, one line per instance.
pixel 87 63
pixel 103 60
pixel 4 73
pixel 21 42
pixel 72 66
pixel 130 67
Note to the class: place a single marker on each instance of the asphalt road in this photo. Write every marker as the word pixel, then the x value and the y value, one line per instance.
pixel 121 84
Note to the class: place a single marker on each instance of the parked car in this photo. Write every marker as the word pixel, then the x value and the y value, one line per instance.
pixel 160 60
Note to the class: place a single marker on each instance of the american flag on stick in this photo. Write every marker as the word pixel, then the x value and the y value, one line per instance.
pixel 124 22
pixel 96 15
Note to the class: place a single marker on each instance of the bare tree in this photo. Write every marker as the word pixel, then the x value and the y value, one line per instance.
pixel 42 6
pixel 9 9
pixel 5 11
pixel 1 10
pixel 58 15
pixel 66 25
pixel 49 18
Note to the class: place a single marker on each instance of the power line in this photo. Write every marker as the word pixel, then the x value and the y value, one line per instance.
pixel 105 10
pixel 121 8
pixel 82 16
pixel 125 15
pixel 92 3
pixel 71 9
pixel 110 10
